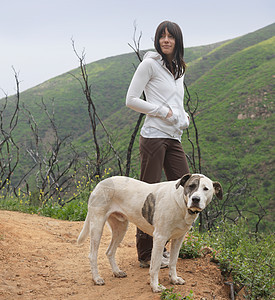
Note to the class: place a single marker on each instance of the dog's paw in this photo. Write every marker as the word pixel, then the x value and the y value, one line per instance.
pixel 120 274
pixel 99 281
pixel 177 280
pixel 158 289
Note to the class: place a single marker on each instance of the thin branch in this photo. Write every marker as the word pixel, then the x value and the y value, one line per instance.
pixel 93 114
pixel 136 49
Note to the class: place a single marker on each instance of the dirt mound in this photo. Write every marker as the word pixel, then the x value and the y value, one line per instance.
pixel 39 259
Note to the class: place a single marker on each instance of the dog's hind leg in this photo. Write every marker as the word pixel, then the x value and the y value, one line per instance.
pixel 119 225
pixel 96 229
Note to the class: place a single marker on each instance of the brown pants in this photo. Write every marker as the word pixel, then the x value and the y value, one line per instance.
pixel 157 154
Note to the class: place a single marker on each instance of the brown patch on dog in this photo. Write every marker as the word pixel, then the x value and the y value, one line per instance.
pixel 148 208
pixel 192 184
pixel 183 180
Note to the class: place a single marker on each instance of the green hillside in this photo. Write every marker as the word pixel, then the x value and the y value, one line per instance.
pixel 234 82
pixel 236 118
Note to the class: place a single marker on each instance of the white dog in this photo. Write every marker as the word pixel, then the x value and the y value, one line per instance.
pixel 163 210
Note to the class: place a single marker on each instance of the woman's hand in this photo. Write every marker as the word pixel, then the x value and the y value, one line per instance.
pixel 170 114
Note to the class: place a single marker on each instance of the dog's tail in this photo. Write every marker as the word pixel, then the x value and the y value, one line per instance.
pixel 85 230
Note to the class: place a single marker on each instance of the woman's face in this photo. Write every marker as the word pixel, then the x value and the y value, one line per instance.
pixel 167 44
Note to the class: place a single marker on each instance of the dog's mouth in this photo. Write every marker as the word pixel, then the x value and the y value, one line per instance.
pixel 194 210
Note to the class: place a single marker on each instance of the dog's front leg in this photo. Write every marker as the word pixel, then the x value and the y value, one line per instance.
pixel 156 257
pixel 174 253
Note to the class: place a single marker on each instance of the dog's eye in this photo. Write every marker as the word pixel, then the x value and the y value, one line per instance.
pixel 205 188
pixel 192 186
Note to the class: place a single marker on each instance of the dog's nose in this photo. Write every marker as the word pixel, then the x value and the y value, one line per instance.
pixel 196 199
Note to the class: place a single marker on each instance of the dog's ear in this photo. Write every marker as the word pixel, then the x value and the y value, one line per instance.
pixel 218 190
pixel 183 179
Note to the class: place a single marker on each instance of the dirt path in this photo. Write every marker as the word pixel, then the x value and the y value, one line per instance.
pixel 39 259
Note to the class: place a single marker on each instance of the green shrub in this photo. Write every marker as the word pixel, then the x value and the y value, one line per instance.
pixel 192 245
pixel 246 256
pixel 168 294
pixel 75 210
pixel 249 258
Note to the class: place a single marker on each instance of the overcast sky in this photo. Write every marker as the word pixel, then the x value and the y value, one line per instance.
pixel 36 35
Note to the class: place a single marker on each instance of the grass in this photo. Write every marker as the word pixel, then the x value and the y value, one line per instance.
pixel 75 210
pixel 168 294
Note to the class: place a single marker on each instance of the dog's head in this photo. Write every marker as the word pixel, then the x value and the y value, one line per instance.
pixel 198 191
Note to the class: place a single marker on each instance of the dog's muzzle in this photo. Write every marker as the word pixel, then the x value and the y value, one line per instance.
pixel 195 209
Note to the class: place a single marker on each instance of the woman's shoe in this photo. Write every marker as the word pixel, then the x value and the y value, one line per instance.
pixel 146 264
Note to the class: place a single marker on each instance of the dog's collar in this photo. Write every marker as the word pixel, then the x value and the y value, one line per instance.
pixel 191 212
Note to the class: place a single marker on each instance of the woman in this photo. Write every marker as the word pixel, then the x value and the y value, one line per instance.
pixel 160 75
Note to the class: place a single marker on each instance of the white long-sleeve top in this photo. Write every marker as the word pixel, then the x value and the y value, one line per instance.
pixel 162 92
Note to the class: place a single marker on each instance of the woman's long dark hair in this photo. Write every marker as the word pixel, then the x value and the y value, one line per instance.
pixel 178 64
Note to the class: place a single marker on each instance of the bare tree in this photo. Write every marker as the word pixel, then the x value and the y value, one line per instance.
pixel 53 177
pixel 234 206
pixel 9 150
pixel 136 48
pixel 192 107
pixel 94 117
